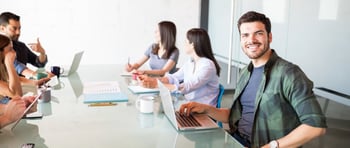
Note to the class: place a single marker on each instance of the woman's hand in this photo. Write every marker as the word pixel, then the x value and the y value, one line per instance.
pixel 129 67
pixel 14 109
pixel 147 82
pixel 28 100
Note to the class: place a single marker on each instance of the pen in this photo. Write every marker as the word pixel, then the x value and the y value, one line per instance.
pixel 103 104
pixel 128 60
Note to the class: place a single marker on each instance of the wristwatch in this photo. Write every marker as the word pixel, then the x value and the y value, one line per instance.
pixel 273 144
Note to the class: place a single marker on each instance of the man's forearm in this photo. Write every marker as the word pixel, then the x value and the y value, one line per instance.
pixel 299 136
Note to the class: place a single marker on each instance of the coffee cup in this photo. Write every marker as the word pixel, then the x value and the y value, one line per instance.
pixel 45 94
pixel 57 70
pixel 145 104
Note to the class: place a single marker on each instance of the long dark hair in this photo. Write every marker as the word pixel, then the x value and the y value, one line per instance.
pixel 167 32
pixel 4 41
pixel 201 42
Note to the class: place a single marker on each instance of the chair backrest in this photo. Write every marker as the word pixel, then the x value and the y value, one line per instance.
pixel 221 93
pixel 218 105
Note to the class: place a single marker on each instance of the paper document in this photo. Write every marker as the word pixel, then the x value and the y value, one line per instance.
pixel 103 91
pixel 126 74
pixel 140 90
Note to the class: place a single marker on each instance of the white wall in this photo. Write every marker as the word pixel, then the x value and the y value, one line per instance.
pixel 313 34
pixel 108 30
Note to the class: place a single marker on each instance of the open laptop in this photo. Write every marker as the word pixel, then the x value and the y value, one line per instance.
pixel 74 65
pixel 204 122
pixel 26 111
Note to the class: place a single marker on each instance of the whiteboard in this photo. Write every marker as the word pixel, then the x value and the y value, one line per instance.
pixel 312 34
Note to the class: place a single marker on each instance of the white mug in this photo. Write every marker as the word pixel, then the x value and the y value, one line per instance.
pixel 145 104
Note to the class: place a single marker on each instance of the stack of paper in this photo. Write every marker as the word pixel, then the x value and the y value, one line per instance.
pixel 141 90
pixel 103 91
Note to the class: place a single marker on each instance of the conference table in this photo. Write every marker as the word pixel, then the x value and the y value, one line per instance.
pixel 68 122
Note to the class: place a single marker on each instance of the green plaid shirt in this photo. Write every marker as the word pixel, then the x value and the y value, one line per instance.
pixel 284 101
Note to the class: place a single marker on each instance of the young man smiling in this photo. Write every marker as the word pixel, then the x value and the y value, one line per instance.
pixel 274 105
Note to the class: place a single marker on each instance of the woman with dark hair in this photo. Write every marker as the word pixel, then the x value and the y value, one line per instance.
pixel 162 55
pixel 12 105
pixel 9 80
pixel 197 79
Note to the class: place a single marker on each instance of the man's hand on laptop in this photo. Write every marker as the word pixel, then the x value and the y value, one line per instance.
pixel 193 107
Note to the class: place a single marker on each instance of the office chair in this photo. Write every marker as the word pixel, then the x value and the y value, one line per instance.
pixel 218 105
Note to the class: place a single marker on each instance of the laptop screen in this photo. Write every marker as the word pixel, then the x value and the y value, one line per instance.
pixel 167 103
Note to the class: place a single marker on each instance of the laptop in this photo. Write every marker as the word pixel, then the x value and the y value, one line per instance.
pixel 74 65
pixel 203 120
pixel 26 111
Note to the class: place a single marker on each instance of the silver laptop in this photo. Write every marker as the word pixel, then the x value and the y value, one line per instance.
pixel 13 125
pixel 203 120
pixel 74 65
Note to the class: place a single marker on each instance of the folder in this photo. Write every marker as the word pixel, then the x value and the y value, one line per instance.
pixel 103 91
pixel 105 97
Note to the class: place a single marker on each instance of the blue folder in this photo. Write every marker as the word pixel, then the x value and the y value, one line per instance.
pixel 105 97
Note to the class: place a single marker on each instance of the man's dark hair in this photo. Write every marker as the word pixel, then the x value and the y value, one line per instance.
pixel 253 16
pixel 5 17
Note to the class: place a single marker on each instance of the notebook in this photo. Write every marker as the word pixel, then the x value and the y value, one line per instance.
pixel 103 92
pixel 74 65
pixel 26 111
pixel 204 121
pixel 137 89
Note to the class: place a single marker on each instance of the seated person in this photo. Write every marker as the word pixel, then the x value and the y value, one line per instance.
pixel 273 105
pixel 10 25
pixel 162 55
pixel 10 86
pixel 12 110
pixel 200 75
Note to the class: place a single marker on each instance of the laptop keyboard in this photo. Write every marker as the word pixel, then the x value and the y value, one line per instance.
pixel 186 121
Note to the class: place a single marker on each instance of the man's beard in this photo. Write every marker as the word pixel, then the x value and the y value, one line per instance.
pixel 15 38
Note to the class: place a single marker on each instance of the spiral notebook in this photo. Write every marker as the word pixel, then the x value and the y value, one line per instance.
pixel 102 92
